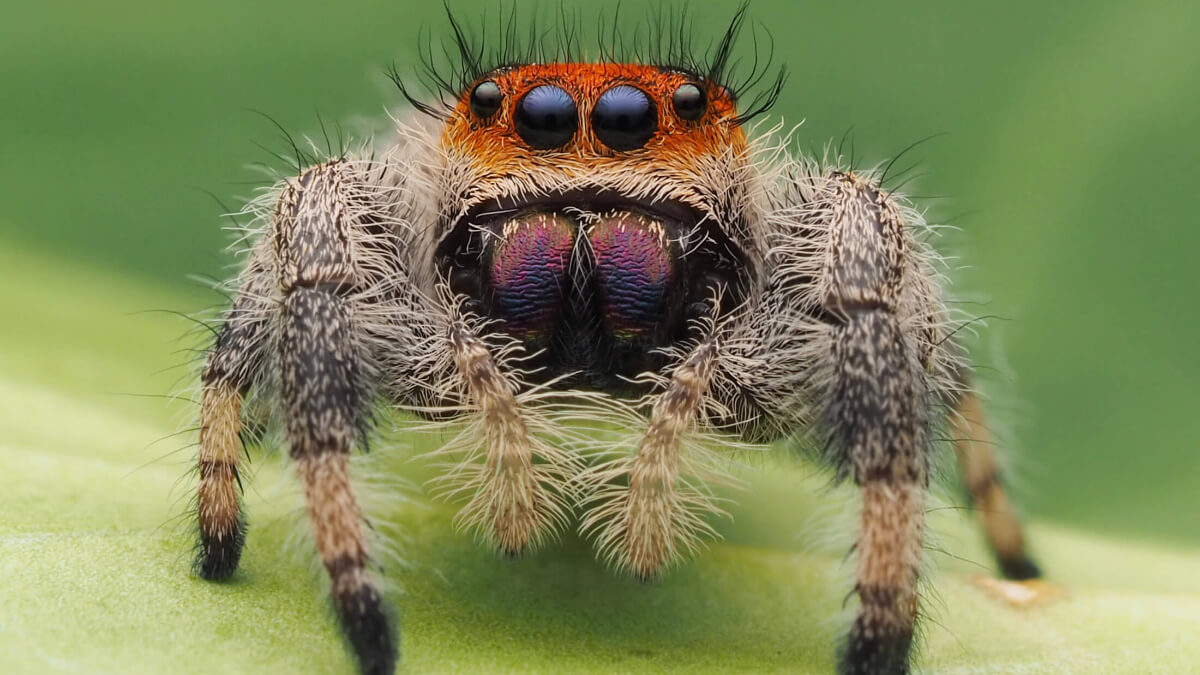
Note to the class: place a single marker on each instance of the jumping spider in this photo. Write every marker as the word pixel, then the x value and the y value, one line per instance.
pixel 602 236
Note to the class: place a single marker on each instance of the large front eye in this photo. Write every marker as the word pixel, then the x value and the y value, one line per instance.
pixel 546 117
pixel 624 118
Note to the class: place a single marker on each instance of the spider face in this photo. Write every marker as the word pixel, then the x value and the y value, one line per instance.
pixel 586 223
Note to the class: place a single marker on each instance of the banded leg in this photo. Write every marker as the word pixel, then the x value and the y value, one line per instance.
pixel 218 508
pixel 877 416
pixel 973 446
pixel 232 365
pixel 321 362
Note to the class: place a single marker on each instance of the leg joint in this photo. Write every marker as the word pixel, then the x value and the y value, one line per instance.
pixel 865 259
pixel 313 222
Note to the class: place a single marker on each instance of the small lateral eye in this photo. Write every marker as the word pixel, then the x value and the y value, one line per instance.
pixel 688 101
pixel 624 118
pixel 485 99
pixel 546 117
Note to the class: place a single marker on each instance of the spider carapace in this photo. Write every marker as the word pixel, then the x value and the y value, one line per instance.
pixel 568 241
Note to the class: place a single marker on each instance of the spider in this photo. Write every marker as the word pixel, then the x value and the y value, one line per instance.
pixel 573 240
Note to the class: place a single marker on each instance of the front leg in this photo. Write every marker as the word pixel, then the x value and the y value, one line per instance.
pixel 877 399
pixel 322 387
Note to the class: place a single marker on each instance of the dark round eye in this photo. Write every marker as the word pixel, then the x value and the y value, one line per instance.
pixel 624 118
pixel 485 99
pixel 688 101
pixel 546 117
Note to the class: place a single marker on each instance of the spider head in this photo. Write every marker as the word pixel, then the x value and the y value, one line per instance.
pixel 595 209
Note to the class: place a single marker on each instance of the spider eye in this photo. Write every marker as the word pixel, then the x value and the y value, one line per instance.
pixel 688 101
pixel 624 118
pixel 546 117
pixel 485 99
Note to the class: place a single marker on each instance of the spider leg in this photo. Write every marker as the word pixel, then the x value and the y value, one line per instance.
pixel 849 334
pixel 321 360
pixel 977 459
pixel 233 364
pixel 877 415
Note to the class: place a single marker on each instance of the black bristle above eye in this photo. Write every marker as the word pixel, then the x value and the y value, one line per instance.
pixel 689 102
pixel 669 39
pixel 486 99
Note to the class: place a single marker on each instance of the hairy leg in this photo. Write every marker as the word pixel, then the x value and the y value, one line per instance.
pixel 849 332
pixel 233 364
pixel 218 511
pixel 877 415
pixel 321 358
pixel 973 446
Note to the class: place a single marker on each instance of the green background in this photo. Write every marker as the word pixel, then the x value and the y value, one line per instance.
pixel 1069 161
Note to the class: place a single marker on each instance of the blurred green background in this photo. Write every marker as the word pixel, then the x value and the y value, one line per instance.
pixel 1069 160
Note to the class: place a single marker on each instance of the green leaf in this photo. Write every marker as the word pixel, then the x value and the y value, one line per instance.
pixel 95 549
